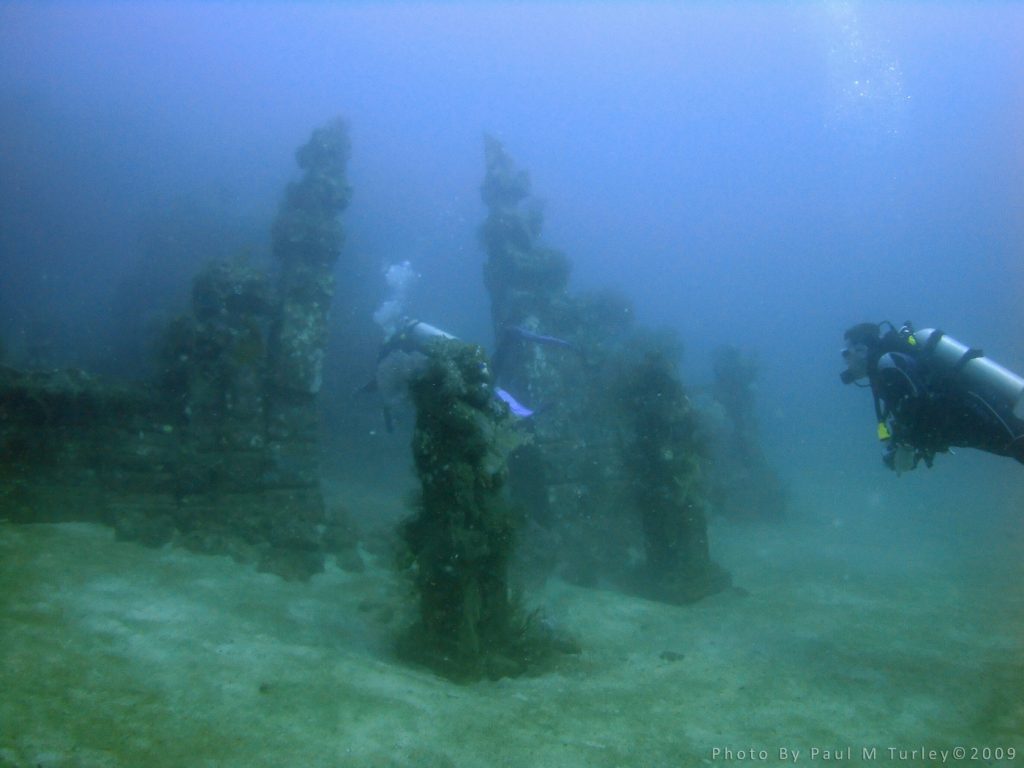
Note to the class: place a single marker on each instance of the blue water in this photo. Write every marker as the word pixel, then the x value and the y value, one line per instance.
pixel 762 174
pixel 767 141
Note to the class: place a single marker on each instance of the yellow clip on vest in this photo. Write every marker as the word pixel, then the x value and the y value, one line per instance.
pixel 883 431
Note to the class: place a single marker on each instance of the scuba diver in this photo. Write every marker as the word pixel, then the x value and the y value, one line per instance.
pixel 403 355
pixel 932 393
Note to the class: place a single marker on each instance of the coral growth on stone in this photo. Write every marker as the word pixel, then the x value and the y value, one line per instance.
pixel 743 485
pixel 220 453
pixel 663 455
pixel 460 539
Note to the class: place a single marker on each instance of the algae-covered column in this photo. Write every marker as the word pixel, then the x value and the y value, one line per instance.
pixel 744 485
pixel 662 454
pixel 527 282
pixel 735 373
pixel 461 537
pixel 226 368
pixel 307 240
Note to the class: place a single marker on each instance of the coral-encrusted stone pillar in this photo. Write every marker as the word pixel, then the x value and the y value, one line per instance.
pixel 307 239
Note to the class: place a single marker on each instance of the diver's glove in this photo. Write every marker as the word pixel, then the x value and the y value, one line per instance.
pixel 900 457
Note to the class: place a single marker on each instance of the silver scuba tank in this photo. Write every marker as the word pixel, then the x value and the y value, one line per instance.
pixel 980 374
pixel 424 333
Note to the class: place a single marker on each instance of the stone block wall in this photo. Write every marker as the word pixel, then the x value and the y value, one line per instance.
pixel 219 453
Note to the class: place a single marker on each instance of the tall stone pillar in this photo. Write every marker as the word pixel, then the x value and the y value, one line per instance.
pixel 461 537
pixel 744 485
pixel 527 282
pixel 307 239
pixel 562 474
pixel 664 461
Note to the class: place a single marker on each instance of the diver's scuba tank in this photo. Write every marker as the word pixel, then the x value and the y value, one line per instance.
pixel 977 371
pixel 423 333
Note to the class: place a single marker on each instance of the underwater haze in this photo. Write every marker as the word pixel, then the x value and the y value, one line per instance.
pixel 763 175
pixel 759 174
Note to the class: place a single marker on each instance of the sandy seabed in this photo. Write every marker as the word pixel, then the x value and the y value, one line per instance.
pixel 838 639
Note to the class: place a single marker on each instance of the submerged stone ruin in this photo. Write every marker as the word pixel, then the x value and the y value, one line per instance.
pixel 460 540
pixel 564 469
pixel 220 452
pixel 665 461
pixel 575 481
pixel 743 484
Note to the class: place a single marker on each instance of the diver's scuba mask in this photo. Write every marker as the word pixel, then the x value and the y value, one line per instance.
pixel 856 358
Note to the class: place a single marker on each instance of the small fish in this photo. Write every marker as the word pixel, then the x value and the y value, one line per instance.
pixel 538 338
pixel 513 333
pixel 517 408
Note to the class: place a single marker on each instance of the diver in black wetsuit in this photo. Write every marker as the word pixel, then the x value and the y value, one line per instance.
pixel 931 393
